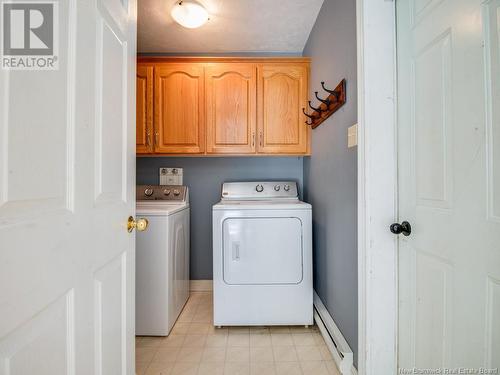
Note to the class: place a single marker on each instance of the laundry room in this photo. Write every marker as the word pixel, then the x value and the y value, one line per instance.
pixel 246 176
pixel 249 187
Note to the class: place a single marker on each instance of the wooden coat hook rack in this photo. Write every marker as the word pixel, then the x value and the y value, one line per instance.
pixel 328 106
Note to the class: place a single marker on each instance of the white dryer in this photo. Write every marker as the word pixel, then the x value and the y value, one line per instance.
pixel 262 253
pixel 162 258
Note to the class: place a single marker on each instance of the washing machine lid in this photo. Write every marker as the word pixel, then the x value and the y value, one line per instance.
pixel 159 208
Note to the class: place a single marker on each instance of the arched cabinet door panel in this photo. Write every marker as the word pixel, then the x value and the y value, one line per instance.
pixel 179 108
pixel 282 93
pixel 231 108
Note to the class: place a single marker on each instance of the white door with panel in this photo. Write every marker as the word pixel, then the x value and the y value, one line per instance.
pixel 67 180
pixel 449 183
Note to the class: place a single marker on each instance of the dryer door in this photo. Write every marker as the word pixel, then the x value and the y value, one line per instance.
pixel 265 250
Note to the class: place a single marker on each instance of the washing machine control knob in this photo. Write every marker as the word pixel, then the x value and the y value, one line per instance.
pixel 286 187
pixel 277 187
pixel 166 192
pixel 176 192
pixel 148 192
pixel 259 188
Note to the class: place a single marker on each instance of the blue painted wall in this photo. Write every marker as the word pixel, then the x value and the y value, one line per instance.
pixel 330 174
pixel 204 176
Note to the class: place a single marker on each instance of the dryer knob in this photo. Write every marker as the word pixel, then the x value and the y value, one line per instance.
pixel 259 188
pixel 176 192
pixel 277 187
pixel 148 192
pixel 286 187
pixel 166 192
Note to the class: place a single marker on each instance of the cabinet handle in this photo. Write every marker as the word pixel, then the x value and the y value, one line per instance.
pixel 156 138
pixel 261 137
pixel 148 139
pixel 253 139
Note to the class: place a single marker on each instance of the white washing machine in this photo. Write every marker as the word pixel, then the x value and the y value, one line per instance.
pixel 262 253
pixel 162 258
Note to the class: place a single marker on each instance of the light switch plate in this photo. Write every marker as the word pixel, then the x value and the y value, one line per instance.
pixel 171 176
pixel 352 136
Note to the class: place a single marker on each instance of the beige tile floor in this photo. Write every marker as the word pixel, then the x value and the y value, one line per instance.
pixel 195 347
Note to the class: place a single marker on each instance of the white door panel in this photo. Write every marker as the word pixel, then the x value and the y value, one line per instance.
pixel 449 266
pixel 67 177
pixel 256 250
pixel 50 134
pixel 110 316
pixel 491 17
pixel 491 27
pixel 49 335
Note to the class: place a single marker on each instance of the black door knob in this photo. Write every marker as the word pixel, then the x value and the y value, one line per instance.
pixel 404 228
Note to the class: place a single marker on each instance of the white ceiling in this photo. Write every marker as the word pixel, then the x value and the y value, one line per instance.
pixel 261 26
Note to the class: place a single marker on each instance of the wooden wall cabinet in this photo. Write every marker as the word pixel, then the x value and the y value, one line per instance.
pixel 223 106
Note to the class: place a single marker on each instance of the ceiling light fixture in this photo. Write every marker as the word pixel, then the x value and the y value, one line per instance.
pixel 189 13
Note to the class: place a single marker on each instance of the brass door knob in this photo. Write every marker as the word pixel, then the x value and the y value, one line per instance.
pixel 139 224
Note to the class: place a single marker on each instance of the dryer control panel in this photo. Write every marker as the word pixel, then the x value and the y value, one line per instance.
pixel 259 190
pixel 174 193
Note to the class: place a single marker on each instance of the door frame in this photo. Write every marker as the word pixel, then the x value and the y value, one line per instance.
pixel 377 187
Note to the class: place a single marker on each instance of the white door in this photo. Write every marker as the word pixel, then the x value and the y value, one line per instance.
pixel 449 183
pixel 67 178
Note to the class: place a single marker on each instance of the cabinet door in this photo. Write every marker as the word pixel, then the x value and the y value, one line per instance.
pixel 179 109
pixel 231 108
pixel 282 93
pixel 144 109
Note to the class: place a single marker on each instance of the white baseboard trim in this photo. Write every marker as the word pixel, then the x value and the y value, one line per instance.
pixel 201 285
pixel 335 341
